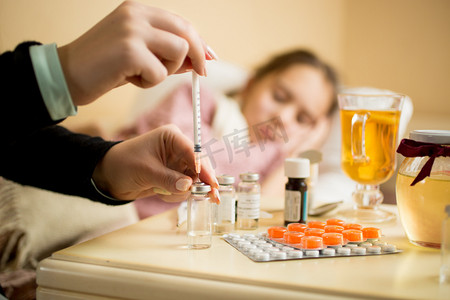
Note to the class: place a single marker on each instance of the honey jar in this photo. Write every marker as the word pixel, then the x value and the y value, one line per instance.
pixel 423 185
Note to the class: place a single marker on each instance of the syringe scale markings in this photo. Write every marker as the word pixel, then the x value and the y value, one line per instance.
pixel 197 121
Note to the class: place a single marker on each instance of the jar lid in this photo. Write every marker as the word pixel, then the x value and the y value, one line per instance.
pixel 296 167
pixel 441 137
pixel 249 176
pixel 200 188
pixel 225 179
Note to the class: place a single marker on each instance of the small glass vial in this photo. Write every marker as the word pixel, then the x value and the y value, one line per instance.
pixel 224 214
pixel 199 217
pixel 249 198
pixel 445 248
pixel 296 196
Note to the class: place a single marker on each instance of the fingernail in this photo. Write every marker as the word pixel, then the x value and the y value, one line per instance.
pixel 212 53
pixel 183 185
pixel 161 191
pixel 217 183
pixel 216 193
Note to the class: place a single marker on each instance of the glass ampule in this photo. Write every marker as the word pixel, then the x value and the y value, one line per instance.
pixel 224 214
pixel 199 228
pixel 249 198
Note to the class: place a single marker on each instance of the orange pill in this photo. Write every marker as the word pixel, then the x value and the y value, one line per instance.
pixel 276 232
pixel 333 239
pixel 353 235
pixel 334 228
pixel 314 231
pixel 293 237
pixel 335 222
pixel 299 227
pixel 352 226
pixel 371 233
pixel 316 224
pixel 312 242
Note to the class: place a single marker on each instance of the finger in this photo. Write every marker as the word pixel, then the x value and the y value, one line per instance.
pixel 185 67
pixel 151 70
pixel 169 48
pixel 187 64
pixel 180 27
pixel 161 191
pixel 214 195
pixel 170 180
pixel 174 197
pixel 180 145
pixel 207 174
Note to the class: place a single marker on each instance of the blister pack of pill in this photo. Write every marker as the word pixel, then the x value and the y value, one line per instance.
pixel 316 239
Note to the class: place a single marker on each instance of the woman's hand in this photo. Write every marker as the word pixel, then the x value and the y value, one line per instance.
pixel 162 159
pixel 134 43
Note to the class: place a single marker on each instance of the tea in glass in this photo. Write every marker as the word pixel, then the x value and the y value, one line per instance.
pixel 380 137
pixel 369 124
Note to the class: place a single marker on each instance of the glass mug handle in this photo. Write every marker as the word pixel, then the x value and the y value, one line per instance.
pixel 358 139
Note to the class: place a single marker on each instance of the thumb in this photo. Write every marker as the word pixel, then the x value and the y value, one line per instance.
pixel 172 181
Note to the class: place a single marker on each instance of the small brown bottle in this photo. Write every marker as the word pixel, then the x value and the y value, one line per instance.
pixel 296 191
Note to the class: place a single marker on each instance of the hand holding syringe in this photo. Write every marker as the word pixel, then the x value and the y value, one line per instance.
pixel 212 181
pixel 197 129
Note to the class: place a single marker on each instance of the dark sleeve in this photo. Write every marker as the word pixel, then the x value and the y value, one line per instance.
pixel 22 106
pixel 56 159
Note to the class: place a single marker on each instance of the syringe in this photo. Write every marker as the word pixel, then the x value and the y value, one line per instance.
pixel 197 122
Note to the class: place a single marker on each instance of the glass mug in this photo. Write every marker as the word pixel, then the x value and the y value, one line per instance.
pixel 369 125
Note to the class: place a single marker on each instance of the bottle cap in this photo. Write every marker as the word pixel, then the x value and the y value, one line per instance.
pixel 441 137
pixel 200 188
pixel 296 167
pixel 225 179
pixel 249 176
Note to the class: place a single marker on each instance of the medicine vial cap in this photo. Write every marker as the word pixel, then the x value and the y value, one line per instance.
pixel 225 179
pixel 200 188
pixel 249 176
pixel 441 137
pixel 296 167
